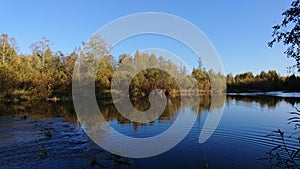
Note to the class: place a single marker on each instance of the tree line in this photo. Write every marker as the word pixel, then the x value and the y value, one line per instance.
pixel 45 74
pixel 263 82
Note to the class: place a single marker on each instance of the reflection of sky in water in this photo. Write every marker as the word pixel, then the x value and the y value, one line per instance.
pixel 156 127
pixel 239 139
pixel 275 93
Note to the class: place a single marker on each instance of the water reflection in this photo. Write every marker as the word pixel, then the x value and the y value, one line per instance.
pixel 110 138
pixel 110 113
pixel 39 110
pixel 173 107
pixel 240 134
pixel 263 101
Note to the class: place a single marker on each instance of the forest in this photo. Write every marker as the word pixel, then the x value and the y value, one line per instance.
pixel 47 75
pixel 263 82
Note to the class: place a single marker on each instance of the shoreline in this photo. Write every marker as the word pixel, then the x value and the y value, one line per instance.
pixel 101 96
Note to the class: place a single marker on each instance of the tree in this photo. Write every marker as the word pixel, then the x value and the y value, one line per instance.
pixel 289 38
pixel 8 79
pixel 8 48
pixel 69 63
pixel 41 48
pixel 229 79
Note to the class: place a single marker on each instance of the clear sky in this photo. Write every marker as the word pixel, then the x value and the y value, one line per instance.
pixel 238 29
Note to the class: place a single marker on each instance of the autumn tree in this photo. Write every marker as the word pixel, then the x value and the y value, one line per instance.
pixel 41 49
pixel 8 49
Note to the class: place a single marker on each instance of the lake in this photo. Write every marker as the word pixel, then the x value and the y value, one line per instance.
pixel 48 134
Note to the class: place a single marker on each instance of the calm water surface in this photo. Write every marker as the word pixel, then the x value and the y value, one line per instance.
pixel 48 135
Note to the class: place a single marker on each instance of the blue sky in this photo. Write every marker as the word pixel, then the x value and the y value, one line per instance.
pixel 238 29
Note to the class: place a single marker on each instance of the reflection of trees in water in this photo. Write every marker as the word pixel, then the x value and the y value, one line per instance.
pixel 66 110
pixel 173 107
pixel 40 110
pixel 109 111
pixel 269 101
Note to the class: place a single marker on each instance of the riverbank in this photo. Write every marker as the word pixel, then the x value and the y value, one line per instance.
pixel 22 96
